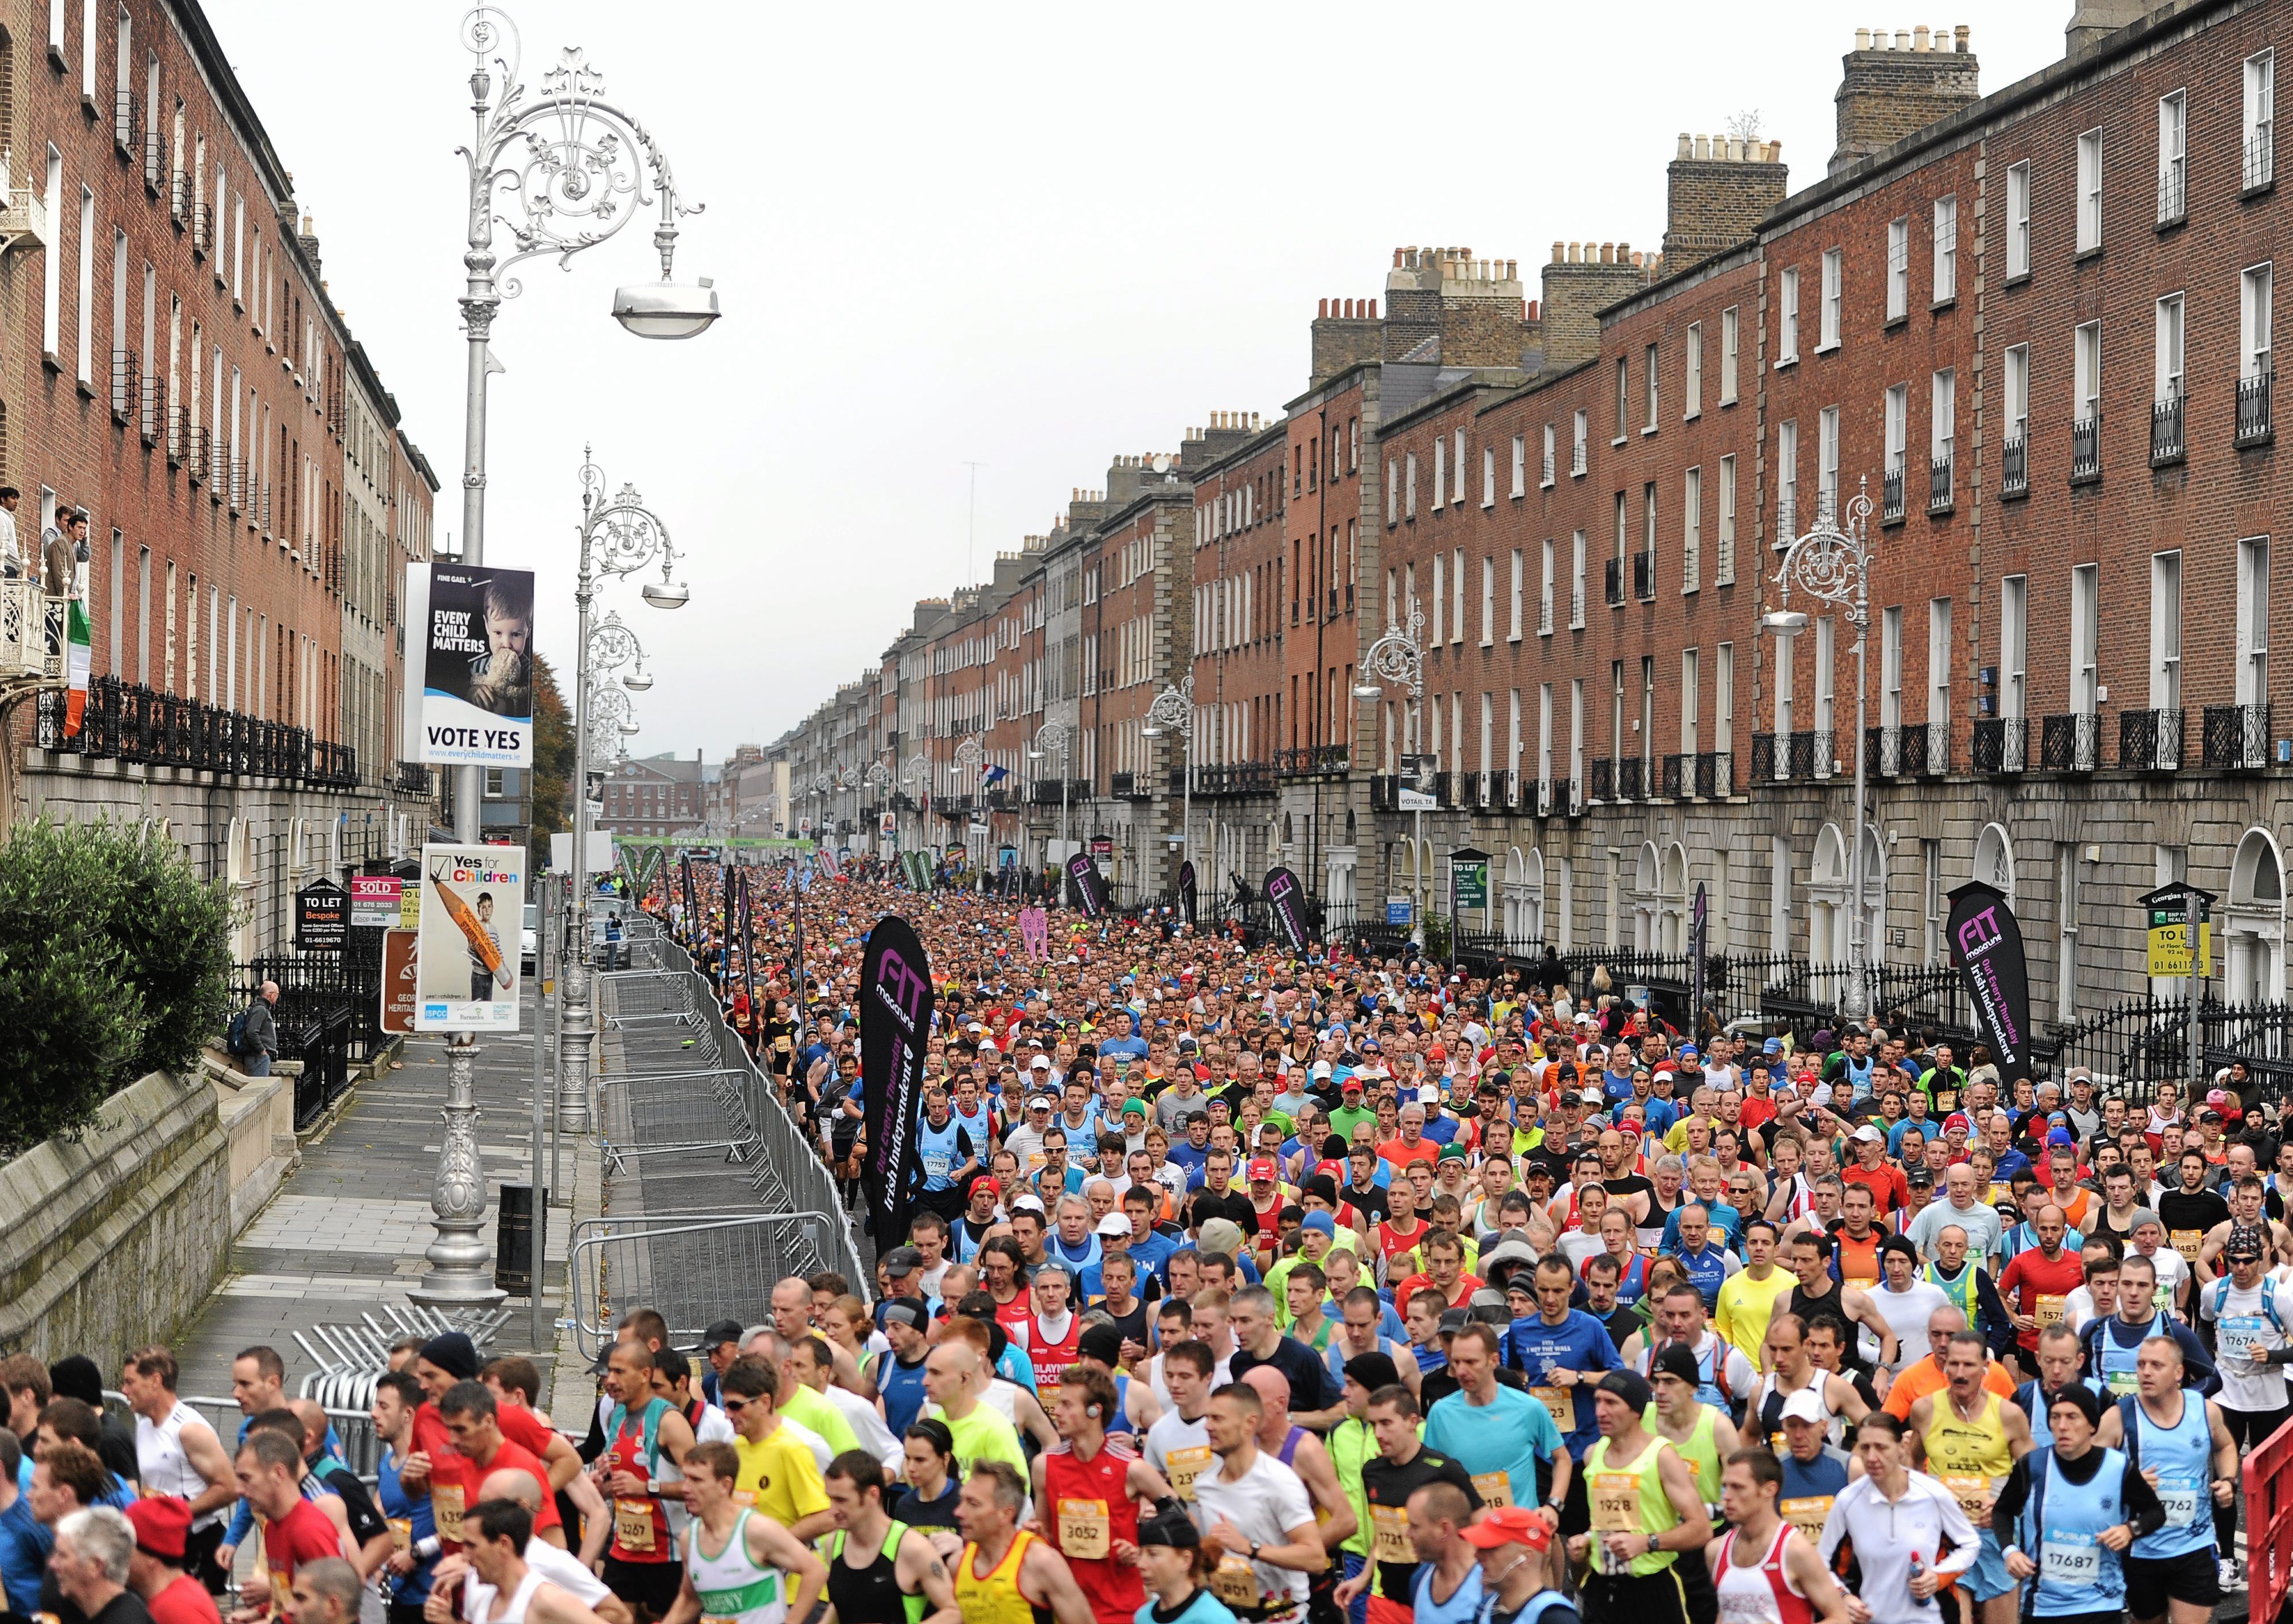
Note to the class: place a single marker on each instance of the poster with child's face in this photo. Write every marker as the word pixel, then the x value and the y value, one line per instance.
pixel 468 948
pixel 477 671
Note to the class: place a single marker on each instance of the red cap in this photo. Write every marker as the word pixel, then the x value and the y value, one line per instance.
pixel 162 1525
pixel 993 1186
pixel 1511 1526
pixel 1437 1052
pixel 1263 1167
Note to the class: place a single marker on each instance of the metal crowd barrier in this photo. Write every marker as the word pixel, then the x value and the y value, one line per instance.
pixel 670 1113
pixel 643 997
pixel 691 1268
pixel 362 1449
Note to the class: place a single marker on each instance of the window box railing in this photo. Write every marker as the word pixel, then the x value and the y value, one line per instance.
pixel 125 374
pixel 2015 466
pixel 2236 738
pixel 1613 570
pixel 1673 778
pixel 2069 743
pixel 2260 167
pixel 127 123
pixel 2166 444
pixel 155 161
pixel 2150 741
pixel 179 198
pixel 1579 459
pixel 1632 778
pixel 2172 194
pixel 1768 763
pixel 2002 744
pixel 1715 775
pixel 1939 485
pixel 1883 752
pixel 147 415
pixel 179 434
pixel 1600 780
pixel 1891 496
pixel 1804 763
pixel 1644 576
pixel 202 230
pixel 2254 426
pixel 2085 449
pixel 1926 751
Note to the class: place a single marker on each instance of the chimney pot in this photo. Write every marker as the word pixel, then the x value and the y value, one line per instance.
pixel 1323 311
pixel 1373 310
pixel 1686 145
pixel 1704 146
pixel 1622 248
pixel 1902 40
pixel 1863 39
pixel 1396 259
pixel 1961 34
pixel 1536 310
pixel 1919 37
pixel 1607 253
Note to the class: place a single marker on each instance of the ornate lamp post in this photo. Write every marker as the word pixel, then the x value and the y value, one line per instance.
pixel 968 755
pixel 561 171
pixel 1397 660
pixel 1173 711
pixel 1055 736
pixel 1831 564
pixel 915 773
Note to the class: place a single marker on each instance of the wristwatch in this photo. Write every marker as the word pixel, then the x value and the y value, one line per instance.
pixel 1253 1550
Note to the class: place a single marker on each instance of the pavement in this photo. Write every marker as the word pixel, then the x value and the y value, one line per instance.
pixel 344 1236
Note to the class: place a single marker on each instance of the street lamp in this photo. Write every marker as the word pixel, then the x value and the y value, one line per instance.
pixel 561 171
pixel 1397 660
pixel 1831 564
pixel 1173 711
pixel 968 755
pixel 1048 737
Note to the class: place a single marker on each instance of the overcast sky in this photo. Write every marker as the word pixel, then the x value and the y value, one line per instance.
pixel 1027 236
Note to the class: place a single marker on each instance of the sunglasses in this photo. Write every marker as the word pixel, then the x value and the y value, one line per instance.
pixel 732 1406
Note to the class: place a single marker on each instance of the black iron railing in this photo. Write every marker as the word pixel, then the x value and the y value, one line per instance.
pixel 2254 424
pixel 2236 738
pixel 1805 761
pixel 2167 443
pixel 130 722
pixel 1631 778
pixel 1674 776
pixel 2069 742
pixel 1601 779
pixel 2015 466
pixel 2085 449
pixel 1891 496
pixel 2150 741
pixel 1765 761
pixel 2002 744
pixel 1716 774
pixel 1644 575
pixel 1614 570
pixel 1939 484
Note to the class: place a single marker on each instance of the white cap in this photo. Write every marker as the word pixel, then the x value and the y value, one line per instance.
pixel 1041 1063
pixel 1429 1093
pixel 1113 1223
pixel 1805 1406
pixel 1869 1135
pixel 1026 1204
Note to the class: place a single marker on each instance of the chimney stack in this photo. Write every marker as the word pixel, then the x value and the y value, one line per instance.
pixel 1718 190
pixel 1891 90
pixel 2092 21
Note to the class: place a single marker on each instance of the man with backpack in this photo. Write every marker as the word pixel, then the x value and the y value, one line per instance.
pixel 2177 1437
pixel 252 1039
pixel 2253 1350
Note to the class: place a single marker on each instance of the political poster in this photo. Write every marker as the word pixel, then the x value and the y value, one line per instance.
pixel 474 908
pixel 1986 943
pixel 1288 901
pixel 896 1012
pixel 470 676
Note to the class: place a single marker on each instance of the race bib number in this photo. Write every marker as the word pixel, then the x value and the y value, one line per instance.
pixel 2120 1382
pixel 1808 1514
pixel 2189 1243
pixel 446 1507
pixel 1085 1529
pixel 2238 1336
pixel 2049 1309
pixel 1972 1491
pixel 937 1163
pixel 282 1593
pixel 1859 1284
pixel 2180 1494
pixel 1390 1534
pixel 1235 1582
pixel 744 1496
pixel 633 1524
pixel 1561 1403
pixel 401 1535
pixel 1494 1488
pixel 2070 1559
pixel 1615 1498
pixel 1185 1466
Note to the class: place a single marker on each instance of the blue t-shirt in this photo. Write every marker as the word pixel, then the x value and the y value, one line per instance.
pixel 1726 1226
pixel 1133 1046
pixel 1205 1609
pixel 1578 1343
pixel 1927 1128
pixel 1513 1434
pixel 1194 1161
pixel 1442 1130
pixel 24 1547
pixel 414 1588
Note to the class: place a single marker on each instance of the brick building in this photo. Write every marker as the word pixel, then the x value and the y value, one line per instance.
pixel 176 367
pixel 2035 327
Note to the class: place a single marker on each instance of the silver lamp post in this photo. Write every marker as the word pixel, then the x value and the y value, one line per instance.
pixel 1831 564
pixel 1398 659
pixel 561 171
pixel 620 536
pixel 1173 711
pixel 969 754
pixel 915 773
pixel 1049 737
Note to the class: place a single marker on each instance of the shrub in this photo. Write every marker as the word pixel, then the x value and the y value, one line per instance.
pixel 114 961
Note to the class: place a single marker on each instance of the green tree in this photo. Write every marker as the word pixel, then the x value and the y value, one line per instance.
pixel 553 761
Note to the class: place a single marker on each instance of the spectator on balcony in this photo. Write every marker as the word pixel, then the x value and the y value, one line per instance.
pixel 12 559
pixel 63 548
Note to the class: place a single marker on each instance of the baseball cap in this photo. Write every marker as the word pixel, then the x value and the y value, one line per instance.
pixel 1027 1204
pixel 1262 1168
pixel 1041 1063
pixel 1509 1525
pixel 1869 1135
pixel 1322 1069
pixel 1041 1102
pixel 1960 1120
pixel 723 1331
pixel 1805 1406
pixel 1113 1223
pixel 898 1261
pixel 1220 1235
pixel 1920 1177
pixel 1429 1093
pixel 1351 1085
pixel 1774 1046
pixel 1171 1526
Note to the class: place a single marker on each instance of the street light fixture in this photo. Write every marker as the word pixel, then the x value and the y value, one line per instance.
pixel 1831 564
pixel 561 171
pixel 1397 660
pixel 1173 711
pixel 1048 737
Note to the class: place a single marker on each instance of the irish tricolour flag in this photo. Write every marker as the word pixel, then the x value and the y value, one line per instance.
pixel 77 645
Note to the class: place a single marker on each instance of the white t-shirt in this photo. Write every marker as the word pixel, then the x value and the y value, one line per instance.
pixel 1266 1503
pixel 2244 1322
pixel 2077 1308
pixel 556 1567
pixel 1885 1535
pixel 1172 1434
pixel 1906 1313
pixel 866 1425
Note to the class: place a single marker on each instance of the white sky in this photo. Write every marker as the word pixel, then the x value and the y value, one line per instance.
pixel 1027 236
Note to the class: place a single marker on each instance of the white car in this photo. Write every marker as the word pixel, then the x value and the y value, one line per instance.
pixel 529 937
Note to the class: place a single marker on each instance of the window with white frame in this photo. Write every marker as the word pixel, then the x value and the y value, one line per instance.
pixel 1731 343
pixel 1580 446
pixel 1458 496
pixel 2166 632
pixel 1943 420
pixel 2018 220
pixel 2085 384
pixel 1624 397
pixel 1946 249
pixel 1826 467
pixel 1898 420
pixel 1691 679
pixel 2169 383
pixel 1441 471
pixel 2257 290
pixel 2085 686
pixel 2014 644
pixel 1544 601
pixel 1440 597
pixel 1519 586
pixel 1489 471
pixel 1489 600
pixel 1829 322
pixel 1723 699
pixel 2253 621
pixel 1546 468
pixel 1392 491
pixel 2017 401
pixel 1520 461
pixel 1786 483
pixel 1899 267
pixel 1890 667
pixel 1693 388
pixel 1409 487
pixel 1723 564
pixel 2089 191
pixel 1649 369
pixel 1787 316
pixel 1691 532
pixel 1938 669
pixel 1457 585
pixel 2260 120
pixel 2173 156
pixel 1576 582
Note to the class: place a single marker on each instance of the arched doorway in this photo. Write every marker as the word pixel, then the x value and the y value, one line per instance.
pixel 1648 896
pixel 1524 900
pixel 1826 899
pixel 2252 923
pixel 1994 860
pixel 1671 900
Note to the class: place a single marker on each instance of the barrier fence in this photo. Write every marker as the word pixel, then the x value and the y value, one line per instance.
pixel 2267 1482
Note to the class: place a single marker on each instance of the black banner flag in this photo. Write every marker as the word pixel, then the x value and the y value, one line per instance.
pixel 1090 884
pixel 1187 890
pixel 1986 944
pixel 896 1010
pixel 1289 905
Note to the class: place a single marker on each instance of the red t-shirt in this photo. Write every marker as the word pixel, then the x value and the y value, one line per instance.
pixel 522 1431
pixel 1399 1155
pixel 1888 1187
pixel 2029 1276
pixel 185 1602
pixel 470 1477
pixel 305 1534
pixel 1409 1288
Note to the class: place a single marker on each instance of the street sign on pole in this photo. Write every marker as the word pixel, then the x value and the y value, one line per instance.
pixel 2176 912
pixel 1469 879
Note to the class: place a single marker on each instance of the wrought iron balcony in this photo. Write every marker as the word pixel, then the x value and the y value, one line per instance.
pixel 179 431
pixel 2002 745
pixel 146 414
pixel 136 724
pixel 2069 743
pixel 2254 426
pixel 2167 443
pixel 125 374
pixel 1939 484
pixel 127 123
pixel 409 778
pixel 1670 785
pixel 1715 775
pixel 1613 570
pixel 1644 575
pixel 1442 791
pixel 1825 751
pixel 1313 761
pixel 1601 779
pixel 1883 752
pixel 2015 466
pixel 1768 765
pixel 1927 751
pixel 2150 741
pixel 2236 738
pixel 1891 496
pixel 2085 449
pixel 1632 777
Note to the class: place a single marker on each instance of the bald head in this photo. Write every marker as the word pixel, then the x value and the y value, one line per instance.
pixel 510 1484
pixel 1272 1387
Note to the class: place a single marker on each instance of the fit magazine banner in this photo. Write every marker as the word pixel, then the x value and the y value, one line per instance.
pixel 473 904
pixel 1187 897
pixel 469 693
pixel 895 1016
pixel 1986 942
pixel 1289 905
pixel 1090 884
